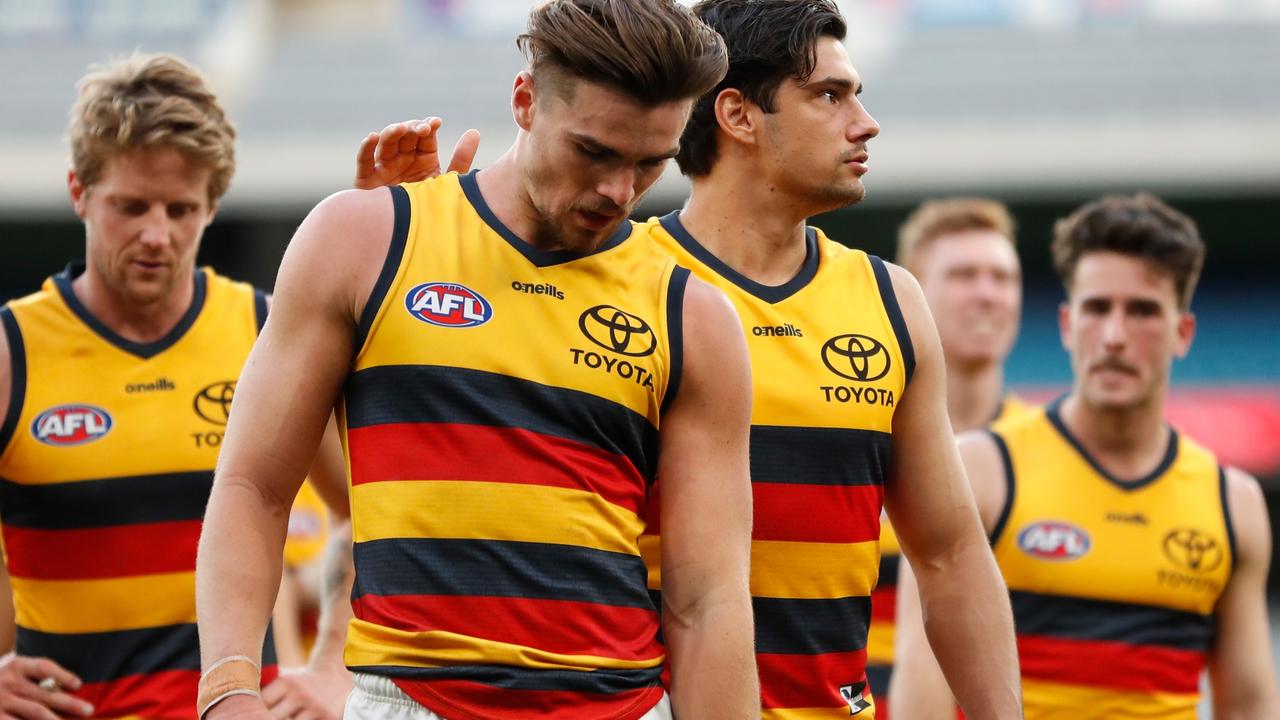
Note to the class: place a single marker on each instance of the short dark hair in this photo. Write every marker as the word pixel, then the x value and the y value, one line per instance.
pixel 769 41
pixel 655 51
pixel 1140 226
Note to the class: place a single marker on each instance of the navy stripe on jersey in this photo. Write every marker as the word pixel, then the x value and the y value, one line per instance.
pixel 376 396
pixel 17 377
pixel 889 299
pixel 675 332
pixel 811 626
pixel 399 238
pixel 1222 494
pixel 1099 620
pixel 104 656
pixel 771 294
pixel 819 456
pixel 889 570
pixel 507 677
pixel 97 503
pixel 259 308
pixel 1010 488
pixel 499 568
pixel 62 281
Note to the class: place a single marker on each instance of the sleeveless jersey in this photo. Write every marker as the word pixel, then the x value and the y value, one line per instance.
pixel 1113 584
pixel 501 424
pixel 830 358
pixel 884 599
pixel 106 462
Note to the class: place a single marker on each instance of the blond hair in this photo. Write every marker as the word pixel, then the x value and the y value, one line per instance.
pixel 935 218
pixel 146 101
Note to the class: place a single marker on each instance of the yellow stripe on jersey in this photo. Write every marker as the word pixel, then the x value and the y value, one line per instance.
pixel 781 569
pixel 811 714
pixel 1060 701
pixel 87 606
pixel 370 644
pixel 492 511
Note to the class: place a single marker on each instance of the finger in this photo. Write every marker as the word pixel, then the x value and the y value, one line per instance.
pixel 287 707
pixel 421 137
pixel 276 690
pixel 365 163
pixel 465 151
pixel 389 142
pixel 37 669
pixel 29 710
pixel 66 704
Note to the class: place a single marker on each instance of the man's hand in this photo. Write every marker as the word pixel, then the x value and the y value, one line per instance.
pixel 309 694
pixel 35 688
pixel 409 152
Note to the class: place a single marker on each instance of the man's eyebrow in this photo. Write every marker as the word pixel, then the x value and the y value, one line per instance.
pixel 835 83
pixel 596 146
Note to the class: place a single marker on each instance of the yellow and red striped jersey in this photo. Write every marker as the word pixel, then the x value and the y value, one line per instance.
pixel 1113 583
pixel 106 461
pixel 830 357
pixel 500 422
pixel 884 599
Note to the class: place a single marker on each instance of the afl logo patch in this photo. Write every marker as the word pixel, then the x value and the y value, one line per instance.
pixel 71 425
pixel 1049 540
pixel 448 305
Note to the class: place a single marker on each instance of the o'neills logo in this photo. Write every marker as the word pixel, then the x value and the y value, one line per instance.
pixel 537 289
pixel 71 425
pixel 787 330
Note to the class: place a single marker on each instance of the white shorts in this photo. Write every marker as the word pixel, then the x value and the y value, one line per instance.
pixel 377 698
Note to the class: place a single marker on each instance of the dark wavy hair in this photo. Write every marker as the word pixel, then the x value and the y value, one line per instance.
pixel 769 41
pixel 1139 226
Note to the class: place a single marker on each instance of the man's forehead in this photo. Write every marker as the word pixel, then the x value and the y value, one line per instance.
pixel 1115 276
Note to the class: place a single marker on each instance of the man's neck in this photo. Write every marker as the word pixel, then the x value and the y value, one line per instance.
pixel 1128 443
pixel 140 323
pixel 748 225
pixel 502 187
pixel 974 394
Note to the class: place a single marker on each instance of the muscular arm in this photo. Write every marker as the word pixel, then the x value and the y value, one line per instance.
pixel 963 600
pixel 1241 670
pixel 918 688
pixel 283 399
pixel 706 518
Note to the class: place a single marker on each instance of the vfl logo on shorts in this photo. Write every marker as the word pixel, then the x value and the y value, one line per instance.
pixel 856 696
pixel 448 305
pixel 1051 540
pixel 71 425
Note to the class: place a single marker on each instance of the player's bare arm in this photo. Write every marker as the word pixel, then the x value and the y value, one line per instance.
pixel 1241 669
pixel 918 688
pixel 964 603
pixel 284 398
pixel 706 517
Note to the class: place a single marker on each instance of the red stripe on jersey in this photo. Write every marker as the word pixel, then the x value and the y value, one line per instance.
pixel 474 701
pixel 804 513
pixel 884 604
pixel 447 451
pixel 99 553
pixel 165 694
pixel 580 628
pixel 1116 665
pixel 809 681
pixel 816 513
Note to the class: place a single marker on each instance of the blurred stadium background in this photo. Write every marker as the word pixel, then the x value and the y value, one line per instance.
pixel 1040 103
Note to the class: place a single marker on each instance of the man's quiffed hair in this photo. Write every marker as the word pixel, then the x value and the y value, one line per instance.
pixel 655 51
pixel 935 218
pixel 148 101
pixel 769 41
pixel 1140 226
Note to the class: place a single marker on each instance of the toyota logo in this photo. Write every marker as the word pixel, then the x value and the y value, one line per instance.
pixel 618 331
pixel 1193 550
pixel 214 402
pixel 856 357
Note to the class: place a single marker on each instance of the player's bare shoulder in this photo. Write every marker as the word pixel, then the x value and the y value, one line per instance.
pixel 1247 509
pixel 987 471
